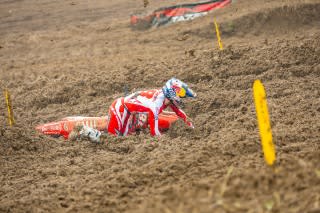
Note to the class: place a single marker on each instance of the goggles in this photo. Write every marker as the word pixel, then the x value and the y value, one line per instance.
pixel 182 93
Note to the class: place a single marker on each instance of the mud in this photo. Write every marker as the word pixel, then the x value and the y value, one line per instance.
pixel 73 58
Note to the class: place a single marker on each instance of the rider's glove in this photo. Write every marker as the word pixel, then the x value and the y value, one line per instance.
pixel 190 124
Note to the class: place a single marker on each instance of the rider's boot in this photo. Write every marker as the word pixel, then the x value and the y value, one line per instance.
pixel 85 132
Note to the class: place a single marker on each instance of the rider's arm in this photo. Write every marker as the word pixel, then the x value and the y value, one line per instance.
pixel 181 114
pixel 154 122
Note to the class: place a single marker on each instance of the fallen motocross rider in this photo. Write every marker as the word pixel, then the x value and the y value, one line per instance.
pixel 140 110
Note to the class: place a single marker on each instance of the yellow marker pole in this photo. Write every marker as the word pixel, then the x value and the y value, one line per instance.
pixel 264 122
pixel 9 106
pixel 218 35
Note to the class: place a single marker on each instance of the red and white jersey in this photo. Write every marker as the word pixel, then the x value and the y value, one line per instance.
pixel 150 101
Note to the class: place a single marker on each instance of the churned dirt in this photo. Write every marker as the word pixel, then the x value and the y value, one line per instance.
pixel 63 58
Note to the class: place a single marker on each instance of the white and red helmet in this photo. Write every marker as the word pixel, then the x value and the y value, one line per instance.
pixel 175 89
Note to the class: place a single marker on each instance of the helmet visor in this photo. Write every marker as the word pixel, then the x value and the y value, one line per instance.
pixel 190 93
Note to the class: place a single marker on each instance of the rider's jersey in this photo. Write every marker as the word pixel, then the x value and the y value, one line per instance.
pixel 151 102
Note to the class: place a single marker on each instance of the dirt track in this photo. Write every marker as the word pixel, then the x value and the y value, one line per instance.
pixel 61 58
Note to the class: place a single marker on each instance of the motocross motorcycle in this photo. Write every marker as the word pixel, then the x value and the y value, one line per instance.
pixel 137 122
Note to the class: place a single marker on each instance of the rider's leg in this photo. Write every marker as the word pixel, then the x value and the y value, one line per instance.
pixel 115 117
pixel 134 107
